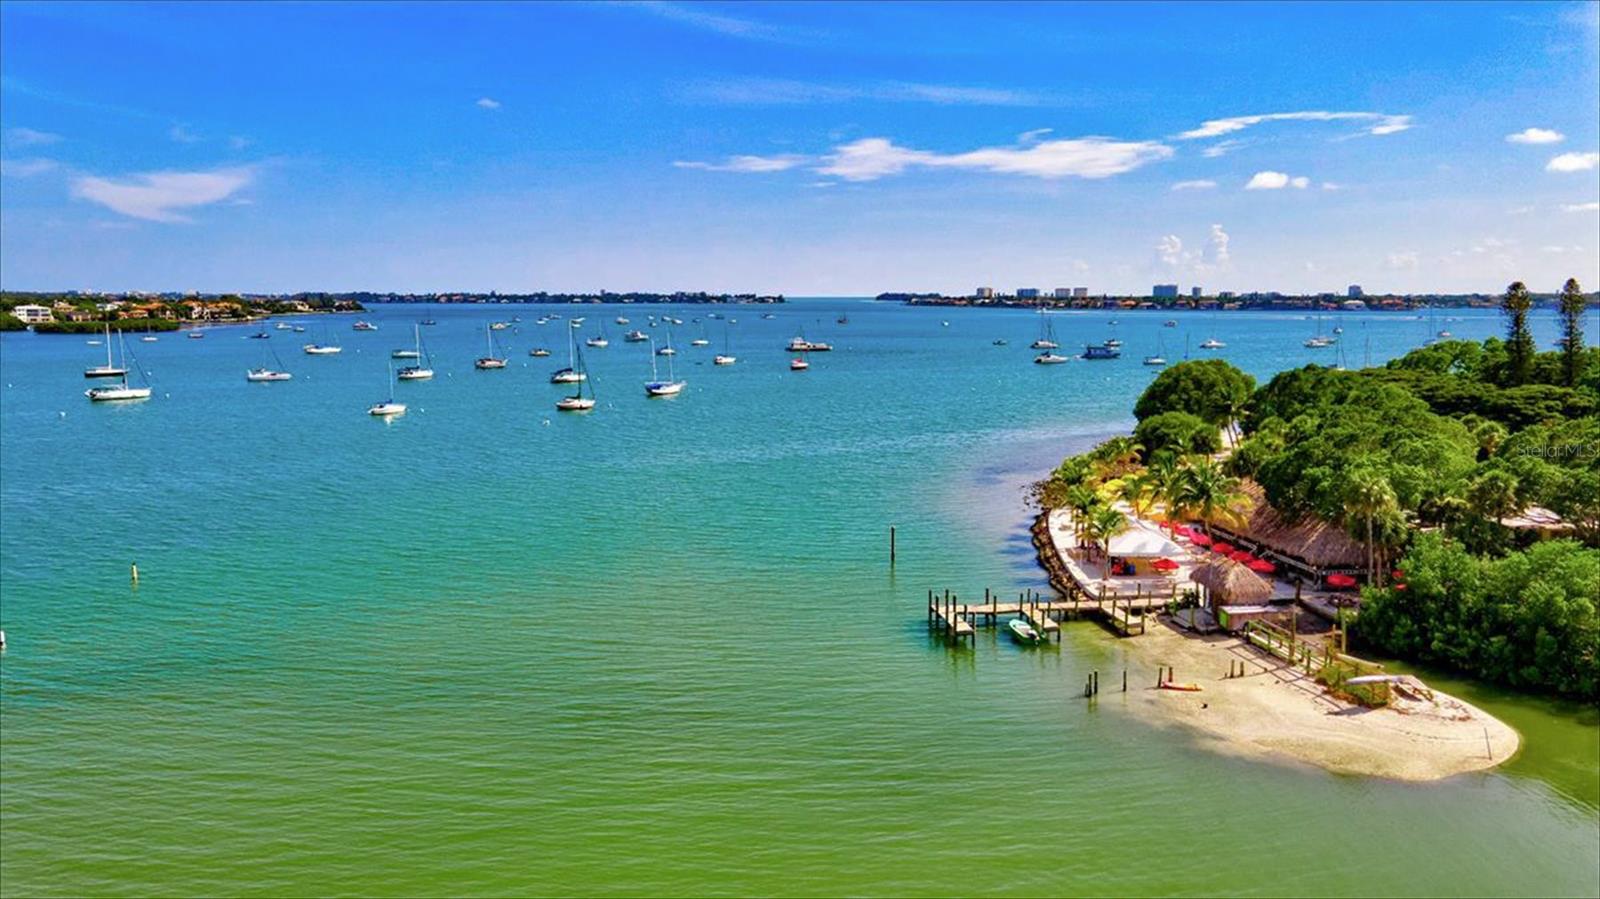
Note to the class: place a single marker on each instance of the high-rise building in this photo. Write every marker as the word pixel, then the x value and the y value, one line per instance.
pixel 1027 293
pixel 1080 292
pixel 1063 293
pixel 1164 290
pixel 1354 292
pixel 984 293
pixel 1196 292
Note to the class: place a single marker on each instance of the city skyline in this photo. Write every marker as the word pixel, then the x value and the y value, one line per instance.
pixel 807 150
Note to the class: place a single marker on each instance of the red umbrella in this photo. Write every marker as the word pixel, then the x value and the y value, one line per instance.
pixel 1262 566
pixel 1164 565
pixel 1240 555
pixel 1341 581
pixel 1198 538
pixel 1220 547
pixel 1398 574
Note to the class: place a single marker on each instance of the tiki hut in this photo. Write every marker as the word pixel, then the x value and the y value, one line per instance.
pixel 1231 584
pixel 1311 546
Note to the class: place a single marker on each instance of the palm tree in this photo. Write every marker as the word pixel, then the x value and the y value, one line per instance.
pixel 1104 524
pixel 1164 472
pixel 1080 500
pixel 1368 496
pixel 1493 494
pixel 1207 490
pixel 1519 341
pixel 1138 491
pixel 1571 307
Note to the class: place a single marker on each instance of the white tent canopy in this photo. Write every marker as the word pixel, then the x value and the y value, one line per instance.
pixel 1140 543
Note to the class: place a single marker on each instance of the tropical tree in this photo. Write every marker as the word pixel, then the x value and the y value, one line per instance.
pixel 1206 489
pixel 1493 494
pixel 1138 491
pixel 1104 524
pixel 1571 306
pixel 1368 497
pixel 1519 340
pixel 1080 501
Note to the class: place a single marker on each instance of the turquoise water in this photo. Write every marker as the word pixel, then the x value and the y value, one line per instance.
pixel 488 648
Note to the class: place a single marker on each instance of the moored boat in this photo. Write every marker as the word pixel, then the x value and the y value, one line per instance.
pixel 1023 632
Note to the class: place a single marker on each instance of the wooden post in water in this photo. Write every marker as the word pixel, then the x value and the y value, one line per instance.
pixel 891 546
pixel 1124 680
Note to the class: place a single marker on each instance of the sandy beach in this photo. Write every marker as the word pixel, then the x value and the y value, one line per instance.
pixel 1278 712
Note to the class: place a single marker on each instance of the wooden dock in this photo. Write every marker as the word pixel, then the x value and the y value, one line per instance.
pixel 959 621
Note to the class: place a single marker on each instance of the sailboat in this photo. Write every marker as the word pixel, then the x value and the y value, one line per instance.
pixel 1212 343
pixel 666 350
pixel 489 359
pixel 571 374
pixel 657 387
pixel 197 334
pixel 149 335
pixel 1047 335
pixel 726 357
pixel 636 336
pixel 322 349
pixel 1160 357
pixel 265 372
pixel 1318 340
pixel 121 391
pixel 539 352
pixel 578 402
pixel 388 408
pixel 702 339
pixel 600 342
pixel 423 370
pixel 108 370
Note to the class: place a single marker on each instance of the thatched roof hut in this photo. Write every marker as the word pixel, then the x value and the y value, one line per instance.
pixel 1230 583
pixel 1314 543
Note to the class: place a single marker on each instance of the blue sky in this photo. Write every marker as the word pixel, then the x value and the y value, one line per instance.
pixel 805 148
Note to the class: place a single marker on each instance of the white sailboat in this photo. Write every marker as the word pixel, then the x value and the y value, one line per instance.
pixel 1047 334
pixel 121 390
pixel 578 402
pixel 1160 356
pixel 109 370
pixel 726 357
pixel 600 342
pixel 490 359
pixel 149 335
pixel 571 374
pixel 388 408
pixel 264 372
pixel 657 387
pixel 423 370
pixel 322 349
pixel 1212 343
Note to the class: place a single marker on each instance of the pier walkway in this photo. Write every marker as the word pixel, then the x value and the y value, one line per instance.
pixel 959 621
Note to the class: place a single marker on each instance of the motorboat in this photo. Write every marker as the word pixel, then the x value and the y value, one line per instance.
pixel 1211 343
pixel 636 336
pixel 363 326
pixel 1102 351
pixel 1049 357
pixel 799 344
pixel 539 352
pixel 266 374
pixel 724 359
pixel 798 364
pixel 319 349
pixel 1023 632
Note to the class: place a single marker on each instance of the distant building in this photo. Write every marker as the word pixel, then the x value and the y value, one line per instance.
pixel 1063 293
pixel 1080 292
pixel 984 293
pixel 1027 293
pixel 1164 290
pixel 1354 304
pixel 1354 292
pixel 1225 295
pixel 33 315
pixel 1196 292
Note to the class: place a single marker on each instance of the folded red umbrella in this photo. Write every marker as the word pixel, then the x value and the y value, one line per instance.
pixel 1221 547
pixel 1240 555
pixel 1199 539
pixel 1164 565
pixel 1262 566
pixel 1341 581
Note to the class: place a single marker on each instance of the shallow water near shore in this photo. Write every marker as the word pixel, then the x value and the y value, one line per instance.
pixel 490 649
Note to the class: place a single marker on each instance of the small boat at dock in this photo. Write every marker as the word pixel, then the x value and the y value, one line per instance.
pixel 1023 632
pixel 1181 688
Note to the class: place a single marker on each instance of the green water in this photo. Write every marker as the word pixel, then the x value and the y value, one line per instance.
pixel 490 649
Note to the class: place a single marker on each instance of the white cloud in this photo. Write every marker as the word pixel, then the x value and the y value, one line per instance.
pixel 746 164
pixel 1277 181
pixel 157 196
pixel 1089 157
pixel 1169 250
pixel 1536 136
pixel 1219 246
pixel 1222 148
pixel 1559 250
pixel 27 168
pixel 182 135
pixel 1384 123
pixel 487 103
pixel 1573 162
pixel 731 26
pixel 1329 185
pixel 1028 137
pixel 1403 261
pixel 1581 207
pixel 1197 184
pixel 28 137
pixel 238 143
pixel 782 92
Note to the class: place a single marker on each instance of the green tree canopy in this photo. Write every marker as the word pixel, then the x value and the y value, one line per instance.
pixel 1210 389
